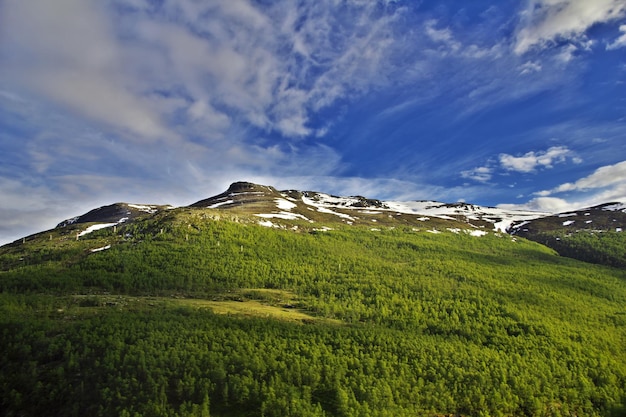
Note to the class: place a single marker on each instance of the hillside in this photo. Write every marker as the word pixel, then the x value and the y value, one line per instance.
pixel 597 237
pixel 593 234
pixel 289 303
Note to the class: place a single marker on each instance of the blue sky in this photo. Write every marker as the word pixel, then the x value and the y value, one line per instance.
pixel 513 103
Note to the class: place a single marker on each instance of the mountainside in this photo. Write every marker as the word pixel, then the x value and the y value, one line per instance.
pixel 275 208
pixel 609 217
pixel 292 303
pixel 269 203
pixel 115 213
pixel 593 234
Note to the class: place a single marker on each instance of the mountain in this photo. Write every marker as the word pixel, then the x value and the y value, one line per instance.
pixel 593 234
pixel 114 213
pixel 268 203
pixel 609 217
pixel 299 303
pixel 277 208
pixel 310 209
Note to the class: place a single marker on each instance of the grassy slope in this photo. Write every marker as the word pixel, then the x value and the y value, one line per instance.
pixel 445 323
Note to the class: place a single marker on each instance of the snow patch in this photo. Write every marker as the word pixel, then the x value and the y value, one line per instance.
pixel 282 215
pixel 568 214
pixel 615 207
pixel 500 218
pixel 221 203
pixel 72 220
pixel 328 211
pixel 101 249
pixel 283 204
pixel 568 222
pixel 434 231
pixel 96 227
pixel 147 209
pixel 476 233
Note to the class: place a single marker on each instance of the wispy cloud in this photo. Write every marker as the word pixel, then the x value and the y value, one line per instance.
pixel 442 36
pixel 544 22
pixel 271 67
pixel 619 42
pixel 529 67
pixel 480 174
pixel 74 62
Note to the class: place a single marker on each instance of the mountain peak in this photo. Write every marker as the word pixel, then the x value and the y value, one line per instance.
pixel 237 194
pixel 113 213
pixel 245 186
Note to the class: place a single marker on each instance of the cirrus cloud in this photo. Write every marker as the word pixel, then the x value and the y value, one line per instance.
pixel 619 42
pixel 546 21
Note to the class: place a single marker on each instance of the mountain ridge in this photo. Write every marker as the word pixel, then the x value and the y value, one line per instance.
pixel 254 198
pixel 314 210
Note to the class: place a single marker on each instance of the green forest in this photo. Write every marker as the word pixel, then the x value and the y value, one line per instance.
pixel 604 248
pixel 188 314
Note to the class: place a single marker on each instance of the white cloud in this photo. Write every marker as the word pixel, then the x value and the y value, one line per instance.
pixel 567 53
pixel 443 36
pixel 480 174
pixel 543 204
pixel 544 22
pixel 530 161
pixel 530 67
pixel 619 42
pixel 271 67
pixel 606 184
pixel 602 177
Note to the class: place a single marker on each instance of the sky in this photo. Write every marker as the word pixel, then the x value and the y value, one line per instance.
pixel 513 103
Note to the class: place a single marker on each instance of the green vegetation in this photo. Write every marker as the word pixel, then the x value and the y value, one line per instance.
pixel 187 314
pixel 604 248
